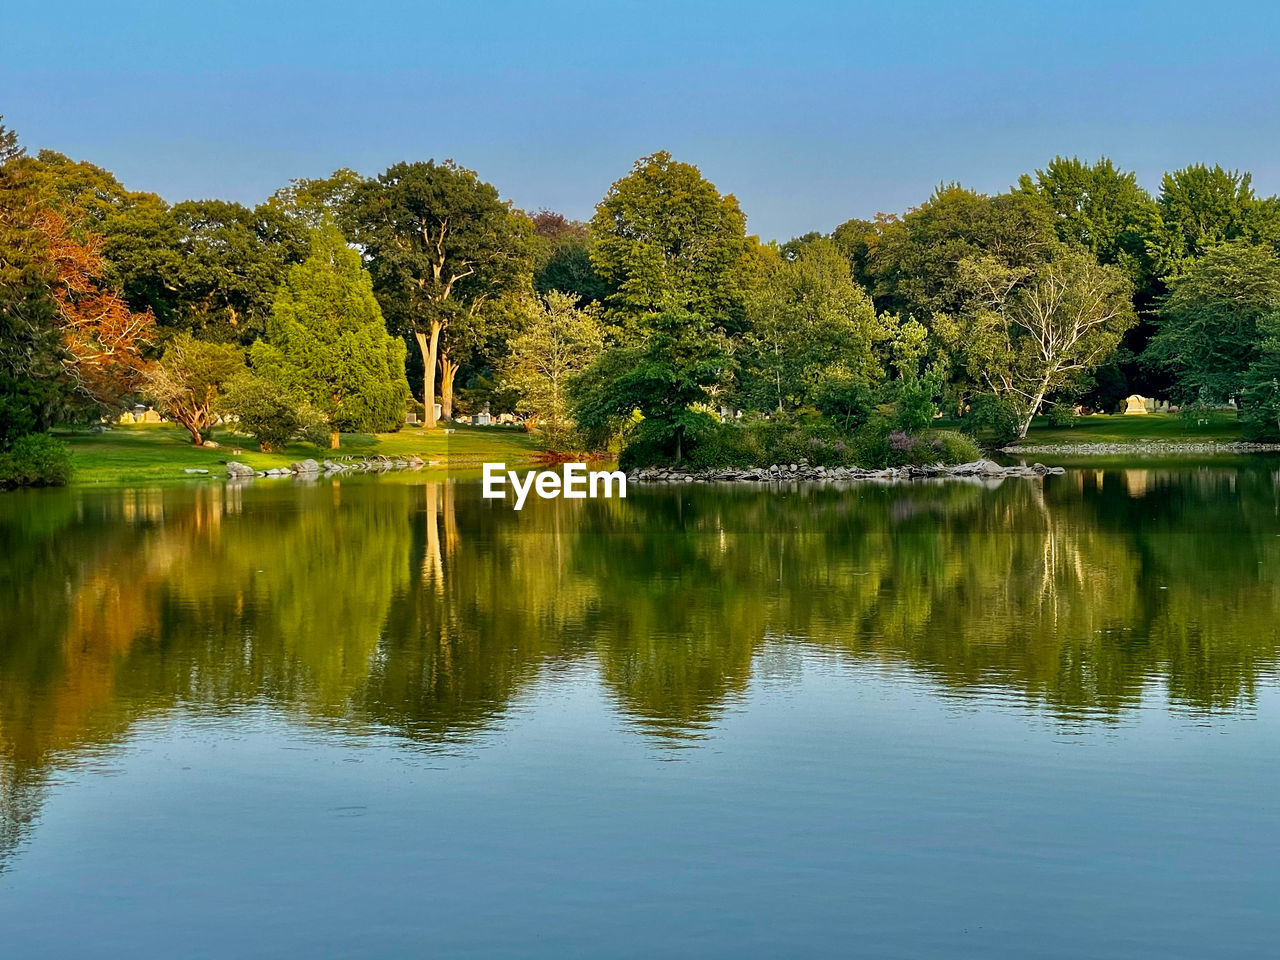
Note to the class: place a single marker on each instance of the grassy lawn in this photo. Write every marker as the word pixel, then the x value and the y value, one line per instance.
pixel 146 452
pixel 1103 428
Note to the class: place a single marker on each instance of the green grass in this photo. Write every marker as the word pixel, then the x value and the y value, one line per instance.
pixel 1223 427
pixel 148 452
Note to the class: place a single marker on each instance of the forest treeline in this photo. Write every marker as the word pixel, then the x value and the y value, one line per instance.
pixel 660 325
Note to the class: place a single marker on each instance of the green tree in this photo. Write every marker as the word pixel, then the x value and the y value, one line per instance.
pixel 209 267
pixel 187 381
pixel 440 243
pixel 1208 334
pixel 327 343
pixel 32 386
pixel 667 379
pixel 1100 208
pixel 10 147
pixel 665 239
pixel 1202 206
pixel 915 260
pixel 559 341
pixel 83 192
pixel 805 319
pixel 1260 399
pixel 263 408
pixel 562 258
pixel 314 202
pixel 1034 332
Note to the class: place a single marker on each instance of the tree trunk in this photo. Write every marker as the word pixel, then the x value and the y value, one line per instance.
pixel 448 370
pixel 430 349
pixel 679 437
pixel 1031 411
pixel 334 439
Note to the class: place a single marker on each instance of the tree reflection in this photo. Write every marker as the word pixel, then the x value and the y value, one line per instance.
pixel 428 611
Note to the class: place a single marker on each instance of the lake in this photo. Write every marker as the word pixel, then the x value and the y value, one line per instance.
pixel 391 718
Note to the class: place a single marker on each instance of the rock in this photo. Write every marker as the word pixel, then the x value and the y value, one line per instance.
pixel 305 466
pixel 239 471
pixel 195 470
pixel 213 445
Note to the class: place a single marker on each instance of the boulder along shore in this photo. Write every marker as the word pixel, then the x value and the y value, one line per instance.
pixel 786 472
pixel 1142 446
pixel 308 469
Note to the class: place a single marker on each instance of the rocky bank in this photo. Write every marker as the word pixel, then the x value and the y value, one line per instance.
pixel 310 469
pixel 803 471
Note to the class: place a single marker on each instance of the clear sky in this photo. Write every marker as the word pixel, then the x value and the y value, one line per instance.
pixel 809 112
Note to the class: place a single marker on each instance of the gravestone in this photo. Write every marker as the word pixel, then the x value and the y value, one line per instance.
pixel 1135 406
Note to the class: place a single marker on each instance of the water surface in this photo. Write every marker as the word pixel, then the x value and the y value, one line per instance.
pixel 364 718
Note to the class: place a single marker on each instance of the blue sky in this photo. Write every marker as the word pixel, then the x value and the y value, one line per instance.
pixel 809 112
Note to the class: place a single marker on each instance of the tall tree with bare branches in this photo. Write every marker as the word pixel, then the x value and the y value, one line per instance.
pixel 439 242
pixel 1034 331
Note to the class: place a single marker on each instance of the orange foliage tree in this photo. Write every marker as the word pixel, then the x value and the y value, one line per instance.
pixel 104 341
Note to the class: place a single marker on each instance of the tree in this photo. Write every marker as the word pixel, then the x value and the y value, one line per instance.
pixel 915 260
pixel 10 148
pixel 665 239
pixel 327 343
pixel 439 242
pixel 562 258
pixel 263 408
pixel 103 340
pixel 84 193
pixel 1035 331
pixel 32 388
pixel 1260 398
pixel 1208 332
pixel 315 202
pixel 667 379
pixel 205 266
pixel 807 318
pixel 1099 208
pixel 559 341
pixel 186 382
pixel 1201 206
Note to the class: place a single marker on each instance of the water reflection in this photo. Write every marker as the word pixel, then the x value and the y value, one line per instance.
pixel 427 610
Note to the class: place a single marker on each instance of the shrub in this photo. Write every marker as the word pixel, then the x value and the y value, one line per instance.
pixel 313 427
pixel 992 415
pixel 954 447
pixel 1260 412
pixel 35 460
pixel 914 408
pixel 1062 414
pixel 728 445
pixel 1192 413
pixel 265 409
pixel 845 401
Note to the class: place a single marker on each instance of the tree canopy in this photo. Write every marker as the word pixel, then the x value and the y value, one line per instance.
pixel 327 343
pixel 665 239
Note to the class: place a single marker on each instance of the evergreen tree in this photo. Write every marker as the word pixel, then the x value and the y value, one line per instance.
pixel 327 343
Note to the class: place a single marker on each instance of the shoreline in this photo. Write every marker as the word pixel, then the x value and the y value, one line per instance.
pixel 789 472
pixel 1141 447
